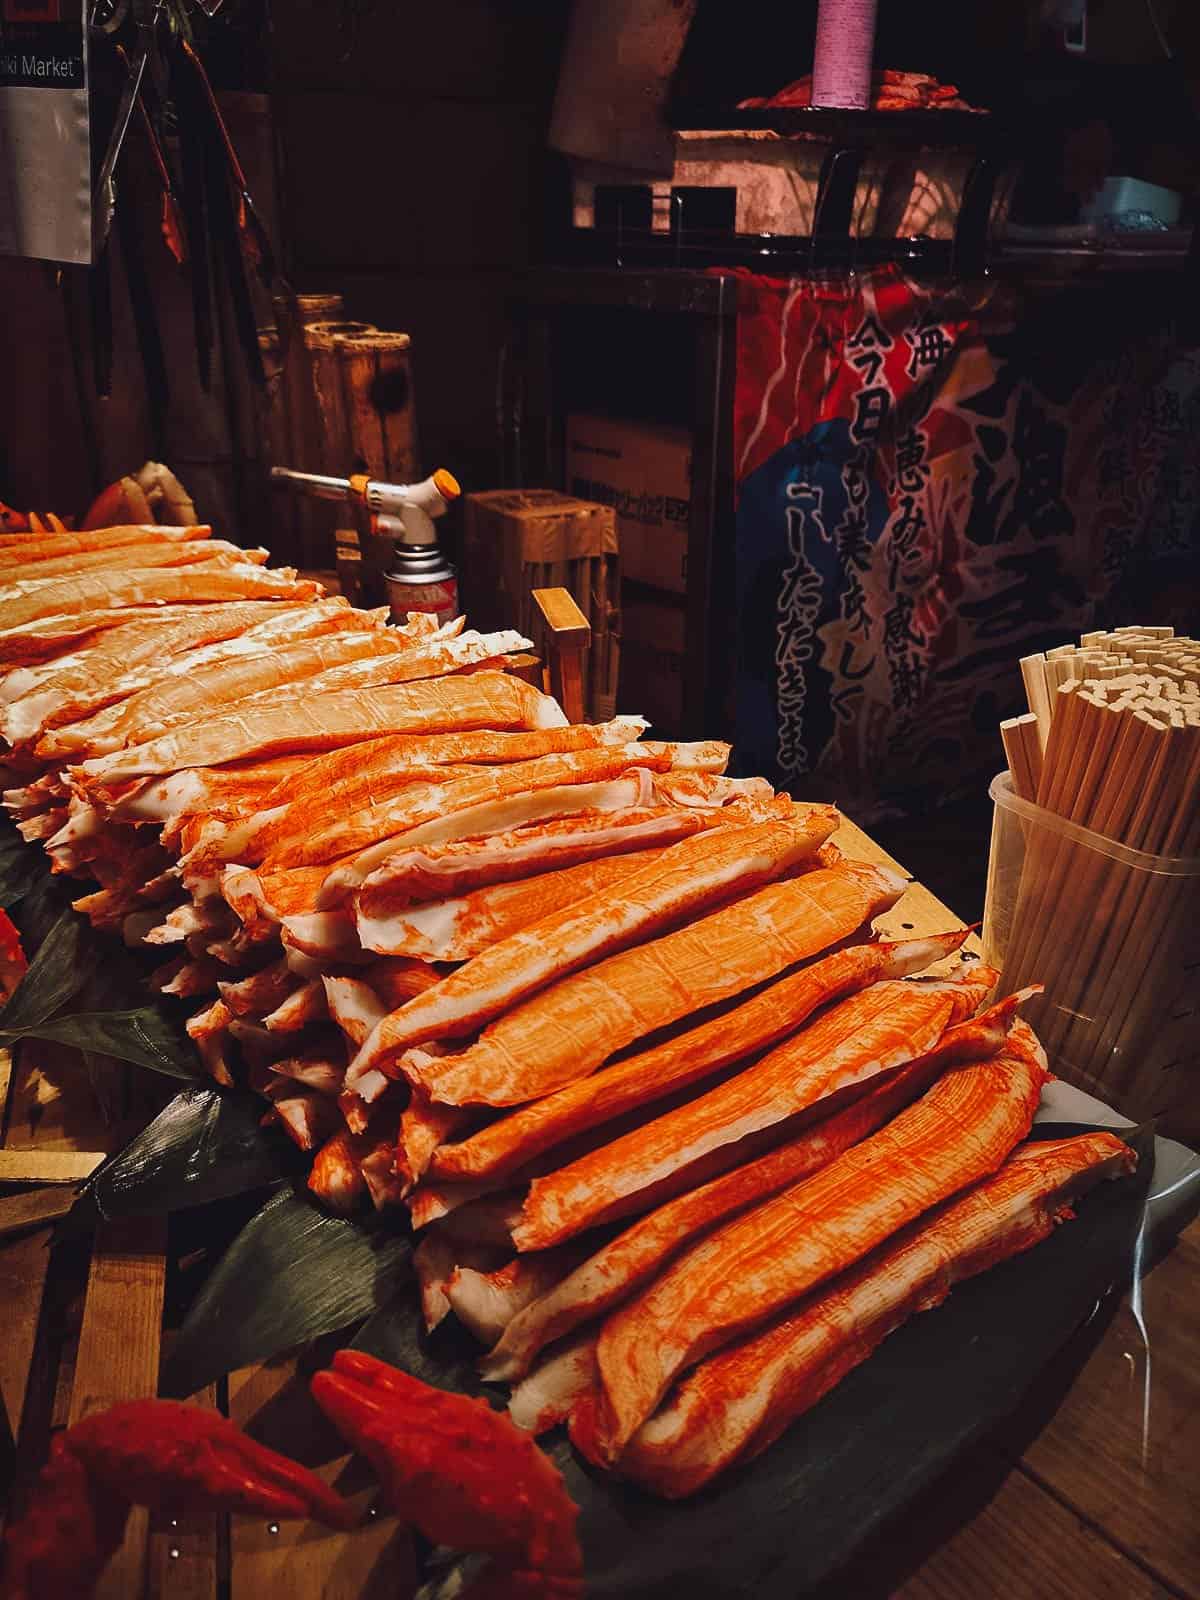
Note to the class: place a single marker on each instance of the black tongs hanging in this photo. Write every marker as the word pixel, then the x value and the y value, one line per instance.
pixel 145 18
pixel 255 239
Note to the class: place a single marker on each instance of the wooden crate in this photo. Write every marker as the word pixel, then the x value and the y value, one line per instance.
pixel 519 540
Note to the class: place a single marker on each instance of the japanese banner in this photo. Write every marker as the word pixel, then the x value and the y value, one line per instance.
pixel 927 491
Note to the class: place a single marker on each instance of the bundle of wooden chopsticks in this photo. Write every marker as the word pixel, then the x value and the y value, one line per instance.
pixel 1111 744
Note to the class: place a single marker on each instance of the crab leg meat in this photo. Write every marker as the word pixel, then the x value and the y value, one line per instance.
pixel 563 1034
pixel 635 1255
pixel 958 1132
pixel 479 700
pixel 439 871
pixel 95 591
pixel 856 1041
pixel 687 877
pixel 735 1404
pixel 456 930
pixel 349 830
pixel 778 1010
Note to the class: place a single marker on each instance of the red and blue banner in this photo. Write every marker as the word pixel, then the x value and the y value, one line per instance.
pixel 932 483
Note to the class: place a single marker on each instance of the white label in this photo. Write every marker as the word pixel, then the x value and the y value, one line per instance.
pixel 439 598
pixel 45 161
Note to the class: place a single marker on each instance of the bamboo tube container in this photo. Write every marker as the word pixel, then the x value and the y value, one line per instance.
pixel 322 342
pixel 305 519
pixel 377 390
pixel 321 347
pixel 299 408
pixel 375 376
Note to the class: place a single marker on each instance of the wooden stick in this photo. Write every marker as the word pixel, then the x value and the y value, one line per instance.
pixel 1100 879
pixel 568 637
pixel 1014 754
pixel 21 1211
pixel 1088 735
pixel 1033 675
pixel 118 1357
pixel 1146 963
pixel 1057 778
pixel 1146 831
pixel 48 1166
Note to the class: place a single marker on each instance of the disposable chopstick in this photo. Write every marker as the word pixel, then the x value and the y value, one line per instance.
pixel 1033 675
pixel 1147 832
pixel 1024 762
pixel 1116 723
pixel 1157 900
pixel 1099 886
pixel 1090 727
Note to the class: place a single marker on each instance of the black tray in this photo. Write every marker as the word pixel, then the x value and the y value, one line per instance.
pixel 787 1521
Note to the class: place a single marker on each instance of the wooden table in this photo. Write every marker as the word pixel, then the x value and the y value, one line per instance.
pixel 1083 1494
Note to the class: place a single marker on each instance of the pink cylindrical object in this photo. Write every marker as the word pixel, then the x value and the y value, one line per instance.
pixel 842 63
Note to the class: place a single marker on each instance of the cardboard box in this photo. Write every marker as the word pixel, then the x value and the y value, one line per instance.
pixel 644 471
pixel 653 636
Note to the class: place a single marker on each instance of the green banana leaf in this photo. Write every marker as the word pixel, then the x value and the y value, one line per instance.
pixel 21 868
pixel 73 965
pixel 55 976
pixel 205 1145
pixel 144 1038
pixel 292 1274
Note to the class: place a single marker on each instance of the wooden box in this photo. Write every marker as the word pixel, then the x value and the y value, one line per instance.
pixel 518 540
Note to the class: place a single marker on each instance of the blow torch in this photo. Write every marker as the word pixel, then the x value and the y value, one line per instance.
pixel 419 578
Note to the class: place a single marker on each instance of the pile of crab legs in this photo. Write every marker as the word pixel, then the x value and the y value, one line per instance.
pixel 460 1473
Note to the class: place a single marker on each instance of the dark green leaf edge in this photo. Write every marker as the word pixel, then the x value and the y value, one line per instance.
pixel 293 1273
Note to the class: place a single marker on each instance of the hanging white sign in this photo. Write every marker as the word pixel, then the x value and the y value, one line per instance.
pixel 45 148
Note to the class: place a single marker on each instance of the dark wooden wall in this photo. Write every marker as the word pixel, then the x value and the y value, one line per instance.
pixel 413 166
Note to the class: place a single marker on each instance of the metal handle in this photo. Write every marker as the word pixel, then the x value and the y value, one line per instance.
pixel 317 484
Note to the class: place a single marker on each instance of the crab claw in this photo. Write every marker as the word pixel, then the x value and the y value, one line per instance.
pixel 70 1528
pixel 461 1473
pixel 166 1454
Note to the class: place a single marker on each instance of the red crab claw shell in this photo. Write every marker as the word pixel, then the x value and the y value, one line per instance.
pixel 13 964
pixel 461 1473
pixel 70 1528
pixel 166 1454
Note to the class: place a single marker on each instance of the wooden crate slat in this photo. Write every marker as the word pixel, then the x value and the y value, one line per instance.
pixel 38 1208
pixel 51 1104
pixel 183 1552
pixel 118 1357
pixel 24 1263
pixel 303 1559
pixel 48 1166
pixel 6 1077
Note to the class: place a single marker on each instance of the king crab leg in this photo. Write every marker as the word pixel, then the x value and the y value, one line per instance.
pixel 461 1473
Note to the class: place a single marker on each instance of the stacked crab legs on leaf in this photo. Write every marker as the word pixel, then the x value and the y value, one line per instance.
pixel 612 1026
pixel 451 1467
